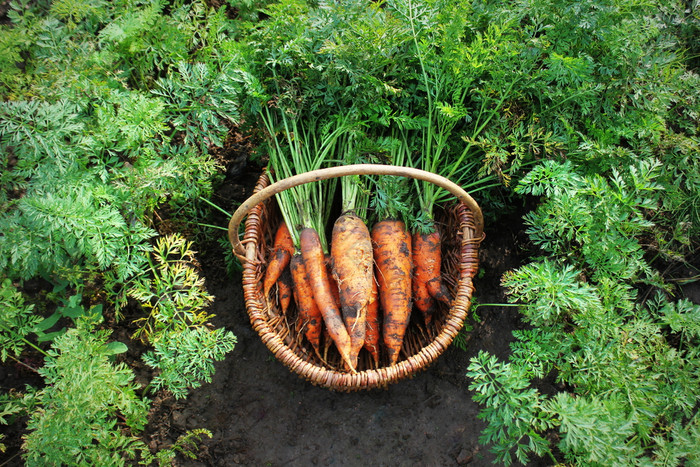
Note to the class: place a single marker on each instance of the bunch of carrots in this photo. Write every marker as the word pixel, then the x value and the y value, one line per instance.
pixel 358 290
pixel 360 293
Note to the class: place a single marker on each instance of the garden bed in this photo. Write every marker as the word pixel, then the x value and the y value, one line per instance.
pixel 260 413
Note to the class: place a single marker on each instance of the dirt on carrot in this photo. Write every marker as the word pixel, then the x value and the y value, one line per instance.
pixel 373 325
pixel 284 290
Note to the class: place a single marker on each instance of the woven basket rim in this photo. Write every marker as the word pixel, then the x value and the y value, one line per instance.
pixel 269 191
pixel 252 260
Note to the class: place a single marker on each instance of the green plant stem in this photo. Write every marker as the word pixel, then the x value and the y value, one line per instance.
pixel 19 362
pixel 212 226
pixel 29 343
pixel 306 205
pixel 477 305
pixel 215 206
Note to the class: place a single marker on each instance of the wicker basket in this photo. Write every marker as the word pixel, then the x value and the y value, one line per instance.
pixel 461 227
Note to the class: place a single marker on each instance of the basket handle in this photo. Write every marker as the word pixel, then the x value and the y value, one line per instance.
pixel 341 171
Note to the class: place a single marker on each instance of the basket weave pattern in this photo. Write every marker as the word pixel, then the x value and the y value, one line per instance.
pixel 421 346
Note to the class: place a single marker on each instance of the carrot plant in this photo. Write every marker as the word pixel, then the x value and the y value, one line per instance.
pixel 17 322
pixel 177 325
pixel 89 153
pixel 450 65
pixel 628 367
pixel 79 373
pixel 316 74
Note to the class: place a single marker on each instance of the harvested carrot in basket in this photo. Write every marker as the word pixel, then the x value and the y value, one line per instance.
pixel 314 260
pixel 353 271
pixel 427 281
pixel 373 325
pixel 282 251
pixel 310 319
pixel 284 290
pixel 392 255
pixel 327 341
pixel 334 285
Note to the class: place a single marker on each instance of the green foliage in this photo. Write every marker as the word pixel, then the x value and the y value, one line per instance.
pixel 89 412
pixel 202 102
pixel 625 365
pixel 89 153
pixel 594 431
pixel 143 41
pixel 549 292
pixel 186 358
pixel 185 348
pixel 681 317
pixel 593 219
pixel 172 291
pixel 50 231
pixel 185 445
pixel 681 181
pixel 17 321
pixel 16 405
pixel 632 384
pixel 13 406
pixel 515 412
pixel 631 388
pixel 127 121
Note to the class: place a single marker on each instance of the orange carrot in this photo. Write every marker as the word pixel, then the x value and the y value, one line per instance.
pixel 334 285
pixel 310 318
pixel 282 251
pixel 427 282
pixel 327 341
pixel 353 270
pixel 284 290
pixel 312 252
pixel 372 328
pixel 392 255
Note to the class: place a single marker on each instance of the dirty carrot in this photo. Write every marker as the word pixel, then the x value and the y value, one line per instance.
pixel 392 256
pixel 427 281
pixel 284 290
pixel 314 260
pixel 282 251
pixel 334 285
pixel 353 271
pixel 327 341
pixel 372 327
pixel 310 319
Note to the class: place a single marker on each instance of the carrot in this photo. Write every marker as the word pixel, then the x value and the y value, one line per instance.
pixel 427 283
pixel 334 285
pixel 372 328
pixel 392 255
pixel 284 290
pixel 310 318
pixel 312 252
pixel 282 251
pixel 327 341
pixel 353 270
